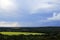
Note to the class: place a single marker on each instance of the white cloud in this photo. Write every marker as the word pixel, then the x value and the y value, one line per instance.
pixel 7 5
pixel 9 24
pixel 8 8
pixel 56 16
pixel 41 6
pixel 36 5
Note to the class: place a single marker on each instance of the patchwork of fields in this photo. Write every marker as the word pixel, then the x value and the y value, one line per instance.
pixel 19 33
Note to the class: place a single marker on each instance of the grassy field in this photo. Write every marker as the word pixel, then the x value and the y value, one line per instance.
pixel 19 33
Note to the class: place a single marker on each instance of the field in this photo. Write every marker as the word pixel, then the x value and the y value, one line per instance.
pixel 19 33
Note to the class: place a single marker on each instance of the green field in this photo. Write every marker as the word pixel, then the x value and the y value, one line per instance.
pixel 19 33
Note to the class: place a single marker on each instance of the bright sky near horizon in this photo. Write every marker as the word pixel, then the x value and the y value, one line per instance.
pixel 29 13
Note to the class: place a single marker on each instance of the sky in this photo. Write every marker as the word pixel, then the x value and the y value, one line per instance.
pixel 29 13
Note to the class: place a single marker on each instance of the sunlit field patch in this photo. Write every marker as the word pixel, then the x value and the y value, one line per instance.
pixel 19 33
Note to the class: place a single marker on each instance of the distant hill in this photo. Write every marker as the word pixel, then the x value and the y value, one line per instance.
pixel 30 29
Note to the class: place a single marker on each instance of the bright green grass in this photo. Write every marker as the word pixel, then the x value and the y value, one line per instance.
pixel 19 33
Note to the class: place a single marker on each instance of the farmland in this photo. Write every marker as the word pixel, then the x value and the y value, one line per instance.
pixel 42 33
pixel 19 33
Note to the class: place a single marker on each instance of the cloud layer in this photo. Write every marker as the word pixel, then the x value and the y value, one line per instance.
pixel 9 24
pixel 29 12
pixel 7 5
pixel 56 16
